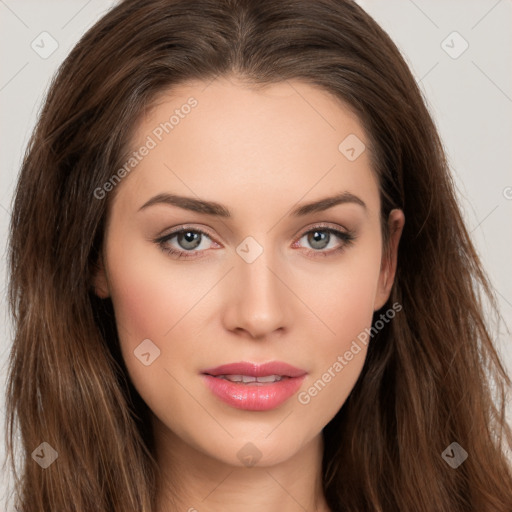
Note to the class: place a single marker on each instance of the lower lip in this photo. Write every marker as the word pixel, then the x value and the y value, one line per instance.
pixel 254 397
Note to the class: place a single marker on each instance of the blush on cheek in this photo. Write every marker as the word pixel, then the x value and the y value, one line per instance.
pixel 145 307
pixel 346 305
pixel 141 314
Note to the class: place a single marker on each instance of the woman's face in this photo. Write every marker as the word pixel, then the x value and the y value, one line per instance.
pixel 267 282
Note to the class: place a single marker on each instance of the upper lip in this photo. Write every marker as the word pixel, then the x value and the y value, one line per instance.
pixel 256 370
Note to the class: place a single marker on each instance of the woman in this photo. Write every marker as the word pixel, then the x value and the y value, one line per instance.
pixel 240 277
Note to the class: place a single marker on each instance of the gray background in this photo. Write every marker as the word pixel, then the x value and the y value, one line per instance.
pixel 469 95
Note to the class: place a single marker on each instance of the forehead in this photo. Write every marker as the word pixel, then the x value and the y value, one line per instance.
pixel 234 138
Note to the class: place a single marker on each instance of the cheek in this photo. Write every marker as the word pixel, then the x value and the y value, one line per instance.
pixel 343 295
pixel 146 302
pixel 344 301
pixel 151 301
pixel 150 295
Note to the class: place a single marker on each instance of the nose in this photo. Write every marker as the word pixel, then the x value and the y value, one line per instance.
pixel 259 299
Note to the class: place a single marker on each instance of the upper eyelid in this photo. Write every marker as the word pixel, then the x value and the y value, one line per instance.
pixel 186 228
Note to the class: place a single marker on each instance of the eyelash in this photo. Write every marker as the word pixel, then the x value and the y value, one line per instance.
pixel 348 239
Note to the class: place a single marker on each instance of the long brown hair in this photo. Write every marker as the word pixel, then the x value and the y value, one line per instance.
pixel 432 376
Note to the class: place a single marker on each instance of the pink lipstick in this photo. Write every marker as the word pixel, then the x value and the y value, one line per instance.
pixel 254 387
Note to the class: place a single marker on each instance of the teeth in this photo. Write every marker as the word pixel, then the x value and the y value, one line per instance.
pixel 246 379
pixel 234 378
pixel 269 378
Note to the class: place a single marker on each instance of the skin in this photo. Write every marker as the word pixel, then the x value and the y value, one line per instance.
pixel 260 153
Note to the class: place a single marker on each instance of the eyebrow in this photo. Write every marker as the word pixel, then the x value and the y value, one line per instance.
pixel 217 209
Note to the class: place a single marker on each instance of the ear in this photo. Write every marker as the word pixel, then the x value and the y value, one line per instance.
pixel 396 221
pixel 99 279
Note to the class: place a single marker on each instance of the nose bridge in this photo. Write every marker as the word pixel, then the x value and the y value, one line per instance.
pixel 259 301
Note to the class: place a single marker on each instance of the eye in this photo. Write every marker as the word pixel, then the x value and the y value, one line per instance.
pixel 322 239
pixel 186 243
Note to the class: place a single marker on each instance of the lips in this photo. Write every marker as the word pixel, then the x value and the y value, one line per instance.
pixel 254 387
